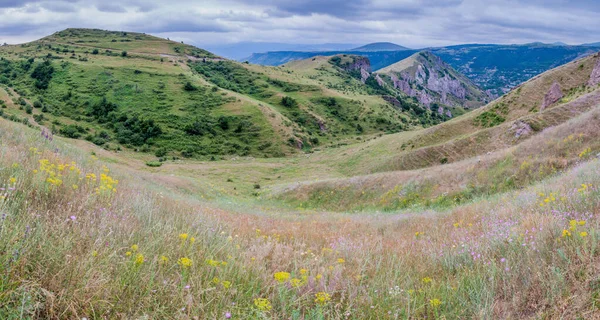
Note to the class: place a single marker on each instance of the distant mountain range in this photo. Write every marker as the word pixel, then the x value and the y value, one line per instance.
pixel 380 46
pixel 495 68
pixel 242 50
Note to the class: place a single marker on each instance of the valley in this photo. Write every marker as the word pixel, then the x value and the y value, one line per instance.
pixel 146 178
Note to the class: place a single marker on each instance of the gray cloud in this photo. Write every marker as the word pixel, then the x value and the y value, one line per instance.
pixel 414 23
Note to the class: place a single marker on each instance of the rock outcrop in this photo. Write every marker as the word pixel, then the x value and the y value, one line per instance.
pixel 552 96
pixel 430 80
pixel 380 81
pixel 595 77
pixel 354 63
pixel 521 129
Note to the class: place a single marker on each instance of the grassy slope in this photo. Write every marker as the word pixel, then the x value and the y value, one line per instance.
pixel 487 237
pixel 514 255
pixel 454 142
pixel 149 76
pixel 145 82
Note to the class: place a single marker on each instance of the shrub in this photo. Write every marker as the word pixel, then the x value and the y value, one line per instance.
pixel 154 163
pixel 161 152
pixel 189 87
pixel 289 102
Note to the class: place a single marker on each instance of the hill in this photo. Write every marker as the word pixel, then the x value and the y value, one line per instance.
pixel 131 91
pixel 504 145
pixel 380 46
pixel 433 82
pixel 379 59
pixel 494 68
pixel 505 228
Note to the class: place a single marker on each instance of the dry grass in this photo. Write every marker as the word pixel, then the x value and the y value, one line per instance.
pixel 65 251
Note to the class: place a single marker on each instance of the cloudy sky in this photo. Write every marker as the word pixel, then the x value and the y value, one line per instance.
pixel 413 23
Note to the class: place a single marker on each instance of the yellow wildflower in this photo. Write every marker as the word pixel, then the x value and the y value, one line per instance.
pixel 164 259
pixel 184 262
pixel 183 236
pixel 303 271
pixel 13 180
pixel 281 276
pixel 573 223
pixel 340 260
pixel 583 234
pixel 134 248
pixel 139 259
pixel 319 276
pixel 262 304
pixel 566 233
pixel 581 223
pixel 94 253
pixel 212 263
pixel 128 253
pixel 434 303
pixel 226 284
pixel 296 282
pixel 216 280
pixel 426 280
pixel 322 298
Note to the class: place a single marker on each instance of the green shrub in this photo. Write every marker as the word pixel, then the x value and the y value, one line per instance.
pixel 154 163
pixel 288 102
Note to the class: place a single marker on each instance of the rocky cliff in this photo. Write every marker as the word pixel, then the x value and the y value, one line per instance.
pixel 353 64
pixel 430 80
pixel 595 77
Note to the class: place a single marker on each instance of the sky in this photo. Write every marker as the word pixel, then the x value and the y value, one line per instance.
pixel 411 23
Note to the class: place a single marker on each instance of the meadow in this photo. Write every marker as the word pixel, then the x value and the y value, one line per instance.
pixel 80 239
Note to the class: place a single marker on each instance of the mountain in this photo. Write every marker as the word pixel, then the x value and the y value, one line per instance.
pixel 496 148
pixel 595 44
pixel 380 46
pixel 378 59
pixel 433 82
pixel 242 50
pixel 495 68
pixel 499 68
pixel 136 92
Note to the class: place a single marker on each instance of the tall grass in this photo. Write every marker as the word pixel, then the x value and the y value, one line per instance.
pixel 87 251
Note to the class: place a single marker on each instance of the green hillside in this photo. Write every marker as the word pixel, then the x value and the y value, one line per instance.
pixel 132 91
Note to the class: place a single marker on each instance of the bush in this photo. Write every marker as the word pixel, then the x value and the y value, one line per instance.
pixel 161 152
pixel 95 51
pixel 288 102
pixel 72 131
pixel 43 74
pixel 189 87
pixel 154 163
pixel 124 54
